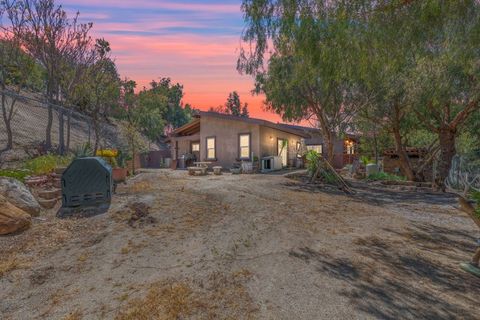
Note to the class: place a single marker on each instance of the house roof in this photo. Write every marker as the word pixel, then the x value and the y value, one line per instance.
pixel 188 129
pixel 194 125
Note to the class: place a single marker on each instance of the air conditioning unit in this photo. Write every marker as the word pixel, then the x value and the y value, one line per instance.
pixel 271 163
pixel 87 187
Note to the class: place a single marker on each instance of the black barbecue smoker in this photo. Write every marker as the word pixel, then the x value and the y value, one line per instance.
pixel 87 188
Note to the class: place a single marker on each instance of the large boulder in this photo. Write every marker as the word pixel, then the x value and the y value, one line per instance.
pixel 12 158
pixel 17 194
pixel 12 219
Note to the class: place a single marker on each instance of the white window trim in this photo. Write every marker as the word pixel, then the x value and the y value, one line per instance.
pixel 214 148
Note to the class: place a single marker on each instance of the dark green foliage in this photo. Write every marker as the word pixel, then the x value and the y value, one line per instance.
pixel 312 161
pixel 385 176
pixel 408 69
pixel 234 106
pixel 82 151
pixel 19 174
pixel 245 112
pixel 46 164
pixel 173 113
pixel 476 196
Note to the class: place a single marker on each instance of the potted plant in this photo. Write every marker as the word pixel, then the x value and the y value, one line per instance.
pixel 116 160
pixel 119 171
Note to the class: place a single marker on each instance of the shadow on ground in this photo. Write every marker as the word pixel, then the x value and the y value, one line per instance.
pixel 375 195
pixel 390 282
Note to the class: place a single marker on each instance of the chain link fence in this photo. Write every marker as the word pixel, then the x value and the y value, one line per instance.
pixel 464 175
pixel 24 120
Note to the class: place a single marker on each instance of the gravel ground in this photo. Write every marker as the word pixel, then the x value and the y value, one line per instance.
pixel 244 247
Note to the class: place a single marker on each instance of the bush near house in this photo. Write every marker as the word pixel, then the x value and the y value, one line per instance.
pixel 381 176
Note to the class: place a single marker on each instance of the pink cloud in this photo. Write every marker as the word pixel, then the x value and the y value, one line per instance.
pixel 156 4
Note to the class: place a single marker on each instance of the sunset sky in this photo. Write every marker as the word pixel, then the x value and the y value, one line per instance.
pixel 194 43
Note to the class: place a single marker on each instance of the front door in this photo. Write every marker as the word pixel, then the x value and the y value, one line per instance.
pixel 282 151
pixel 195 149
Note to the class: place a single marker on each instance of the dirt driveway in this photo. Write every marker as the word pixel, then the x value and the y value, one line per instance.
pixel 244 247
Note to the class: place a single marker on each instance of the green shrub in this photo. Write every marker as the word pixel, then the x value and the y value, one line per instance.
pixel 19 174
pixel 82 151
pixel 312 161
pixel 476 196
pixel 385 176
pixel 328 177
pixel 366 160
pixel 47 163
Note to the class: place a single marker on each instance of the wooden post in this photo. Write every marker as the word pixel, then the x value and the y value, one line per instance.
pixel 476 258
pixel 466 207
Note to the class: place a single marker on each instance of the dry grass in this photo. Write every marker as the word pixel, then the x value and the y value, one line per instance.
pixel 83 257
pixel 76 315
pixel 220 296
pixel 12 263
pixel 162 302
pixel 132 247
pixel 140 187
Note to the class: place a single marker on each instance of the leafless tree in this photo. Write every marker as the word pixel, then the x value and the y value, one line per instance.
pixel 15 66
pixel 55 41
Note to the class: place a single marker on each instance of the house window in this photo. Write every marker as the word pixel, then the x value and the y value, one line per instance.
pixel 211 152
pixel 316 147
pixel 195 146
pixel 244 146
pixel 350 149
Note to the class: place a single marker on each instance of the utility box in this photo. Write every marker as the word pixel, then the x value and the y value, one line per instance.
pixel 271 163
pixel 87 187
pixel 371 168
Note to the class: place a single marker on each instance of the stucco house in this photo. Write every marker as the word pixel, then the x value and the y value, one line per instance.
pixel 224 139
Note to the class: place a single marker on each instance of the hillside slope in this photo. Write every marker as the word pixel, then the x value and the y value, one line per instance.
pixel 29 129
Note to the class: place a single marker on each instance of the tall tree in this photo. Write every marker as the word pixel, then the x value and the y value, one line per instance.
pixel 444 86
pixel 49 36
pixel 149 111
pixel 175 114
pixel 384 74
pixel 18 71
pixel 233 105
pixel 244 113
pixel 98 91
pixel 308 74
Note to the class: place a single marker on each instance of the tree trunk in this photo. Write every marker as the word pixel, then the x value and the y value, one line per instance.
pixel 402 155
pixel 375 146
pixel 48 131
pixel 61 133
pixel 476 258
pixel 97 136
pixel 328 137
pixel 330 148
pixel 69 118
pixel 7 122
pixel 447 152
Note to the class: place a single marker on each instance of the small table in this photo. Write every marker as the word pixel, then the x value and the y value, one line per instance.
pixel 202 164
pixel 217 170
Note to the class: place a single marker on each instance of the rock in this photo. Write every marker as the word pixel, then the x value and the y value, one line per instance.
pixel 60 170
pixel 48 203
pixel 57 183
pixel 12 158
pixel 36 181
pixel 50 194
pixel 12 219
pixel 16 193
